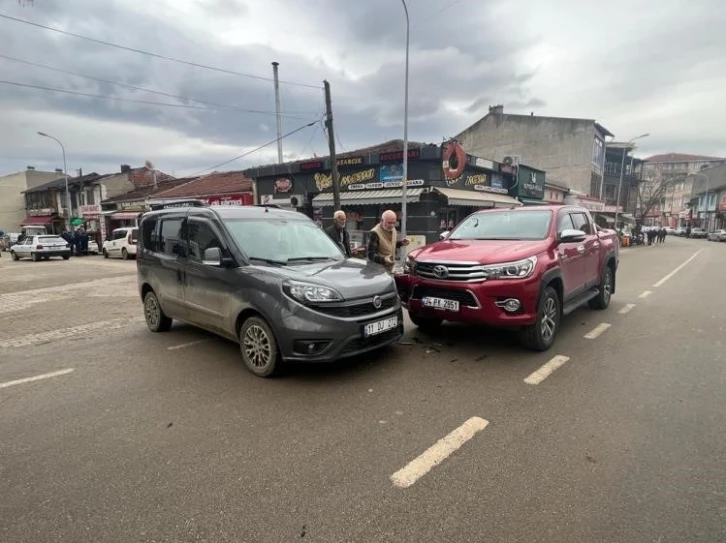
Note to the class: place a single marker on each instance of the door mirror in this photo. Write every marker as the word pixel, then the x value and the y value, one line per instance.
pixel 572 236
pixel 212 257
pixel 444 235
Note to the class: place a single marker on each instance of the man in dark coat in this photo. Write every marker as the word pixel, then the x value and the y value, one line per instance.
pixel 339 234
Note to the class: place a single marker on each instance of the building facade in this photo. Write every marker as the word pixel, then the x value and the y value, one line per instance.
pixel 12 198
pixel 570 150
pixel 709 193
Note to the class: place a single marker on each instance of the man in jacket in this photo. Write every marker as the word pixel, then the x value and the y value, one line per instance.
pixel 339 234
pixel 384 241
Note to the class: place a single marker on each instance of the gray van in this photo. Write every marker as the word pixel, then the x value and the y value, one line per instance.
pixel 269 279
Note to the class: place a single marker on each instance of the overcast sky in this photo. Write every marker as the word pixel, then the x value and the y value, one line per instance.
pixel 636 66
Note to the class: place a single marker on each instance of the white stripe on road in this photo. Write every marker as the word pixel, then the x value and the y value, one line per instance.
pixel 36 378
pixel 437 453
pixel 627 309
pixel 548 369
pixel 597 331
pixel 183 345
pixel 645 294
pixel 679 268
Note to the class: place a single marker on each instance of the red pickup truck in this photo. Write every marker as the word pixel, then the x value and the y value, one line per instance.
pixel 522 268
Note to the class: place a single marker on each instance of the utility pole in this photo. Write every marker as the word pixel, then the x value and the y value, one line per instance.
pixel 277 110
pixel 331 145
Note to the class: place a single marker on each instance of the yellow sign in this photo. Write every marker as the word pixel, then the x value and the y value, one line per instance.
pixel 325 180
pixel 479 179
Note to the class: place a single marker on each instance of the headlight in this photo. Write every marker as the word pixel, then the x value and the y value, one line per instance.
pixel 511 270
pixel 309 293
pixel 408 265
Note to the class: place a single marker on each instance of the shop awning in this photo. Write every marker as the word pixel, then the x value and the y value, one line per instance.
pixel 125 215
pixel 533 202
pixel 366 197
pixel 38 220
pixel 477 199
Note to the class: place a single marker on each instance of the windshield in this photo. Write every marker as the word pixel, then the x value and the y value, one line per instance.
pixel 280 241
pixel 511 225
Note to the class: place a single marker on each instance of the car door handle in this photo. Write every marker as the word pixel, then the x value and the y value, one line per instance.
pixel 581 249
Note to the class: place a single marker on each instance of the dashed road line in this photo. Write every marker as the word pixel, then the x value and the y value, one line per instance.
pixel 190 344
pixel 437 453
pixel 679 268
pixel 627 309
pixel 35 378
pixel 599 330
pixel 645 294
pixel 63 333
pixel 548 369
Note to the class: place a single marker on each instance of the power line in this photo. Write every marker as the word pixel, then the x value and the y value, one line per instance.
pixel 155 55
pixel 182 106
pixel 435 15
pixel 256 149
pixel 142 89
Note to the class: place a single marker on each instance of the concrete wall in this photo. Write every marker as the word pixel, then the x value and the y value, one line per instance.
pixel 12 199
pixel 561 147
pixel 115 185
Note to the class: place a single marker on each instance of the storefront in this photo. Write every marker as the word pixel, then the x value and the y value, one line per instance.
pixel 444 186
pixel 44 217
pixel 530 186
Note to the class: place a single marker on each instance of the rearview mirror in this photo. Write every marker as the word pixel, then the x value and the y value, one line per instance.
pixel 444 235
pixel 572 236
pixel 212 257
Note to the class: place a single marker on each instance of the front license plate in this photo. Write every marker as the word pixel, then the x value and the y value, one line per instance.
pixel 441 303
pixel 379 327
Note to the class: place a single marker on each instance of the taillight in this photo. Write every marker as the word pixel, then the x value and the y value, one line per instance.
pixel 38 246
pixel 68 245
pixel 128 239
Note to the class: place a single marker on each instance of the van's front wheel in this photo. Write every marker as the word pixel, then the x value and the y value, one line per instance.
pixel 259 347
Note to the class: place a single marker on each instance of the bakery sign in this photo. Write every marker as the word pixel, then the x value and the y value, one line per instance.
pixel 324 181
pixel 283 185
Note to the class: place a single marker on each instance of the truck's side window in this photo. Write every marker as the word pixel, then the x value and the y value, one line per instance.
pixel 564 223
pixel 581 223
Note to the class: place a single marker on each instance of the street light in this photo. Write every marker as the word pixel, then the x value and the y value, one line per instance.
pixel 65 174
pixel 405 131
pixel 622 168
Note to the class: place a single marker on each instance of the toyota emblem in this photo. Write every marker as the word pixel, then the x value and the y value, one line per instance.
pixel 377 302
pixel 442 272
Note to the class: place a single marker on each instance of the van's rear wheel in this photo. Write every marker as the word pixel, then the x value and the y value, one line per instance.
pixel 259 347
pixel 156 320
pixel 540 336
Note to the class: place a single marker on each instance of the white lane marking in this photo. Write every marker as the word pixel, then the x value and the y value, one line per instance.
pixel 645 294
pixel 597 331
pixel 183 345
pixel 627 309
pixel 437 453
pixel 679 268
pixel 36 378
pixel 548 369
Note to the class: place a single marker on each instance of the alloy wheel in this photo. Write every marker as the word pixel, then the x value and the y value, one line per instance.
pixel 549 319
pixel 152 311
pixel 257 346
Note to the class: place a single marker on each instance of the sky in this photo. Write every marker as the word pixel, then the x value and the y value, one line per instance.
pixel 636 66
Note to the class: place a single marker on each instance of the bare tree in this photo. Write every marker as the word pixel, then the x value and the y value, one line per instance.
pixel 652 190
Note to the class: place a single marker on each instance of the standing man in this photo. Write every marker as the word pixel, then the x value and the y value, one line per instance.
pixel 384 241
pixel 340 236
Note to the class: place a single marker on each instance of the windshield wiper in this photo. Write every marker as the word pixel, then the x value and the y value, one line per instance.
pixel 309 259
pixel 269 261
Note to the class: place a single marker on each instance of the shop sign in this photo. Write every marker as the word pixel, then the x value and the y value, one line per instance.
pixel 391 172
pixel 613 209
pixel 486 188
pixel 722 202
pixel 90 210
pixel 397 156
pixel 367 186
pixel 313 165
pixel 476 182
pixel 325 180
pixel 590 205
pixel 531 183
pixel 350 161
pixel 133 206
pixel 482 163
pixel 399 184
pixel 41 212
pixel 283 185
pixel 229 200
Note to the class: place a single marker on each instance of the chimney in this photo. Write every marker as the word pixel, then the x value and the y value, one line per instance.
pixel 58 170
pixel 31 167
pixel 125 168
pixel 497 110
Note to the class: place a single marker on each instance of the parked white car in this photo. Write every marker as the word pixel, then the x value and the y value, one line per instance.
pixel 718 235
pixel 122 243
pixel 92 247
pixel 41 247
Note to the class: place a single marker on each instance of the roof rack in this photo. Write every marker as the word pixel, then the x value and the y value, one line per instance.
pixel 169 204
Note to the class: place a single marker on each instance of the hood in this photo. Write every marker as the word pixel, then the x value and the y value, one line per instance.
pixel 481 251
pixel 352 278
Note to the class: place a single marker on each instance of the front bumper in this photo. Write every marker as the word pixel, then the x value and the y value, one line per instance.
pixel 477 300
pixel 337 337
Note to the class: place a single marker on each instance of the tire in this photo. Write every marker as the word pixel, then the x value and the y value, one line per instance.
pixel 426 324
pixel 105 253
pixel 156 320
pixel 124 254
pixel 541 335
pixel 14 256
pixel 35 257
pixel 258 347
pixel 66 257
pixel 604 291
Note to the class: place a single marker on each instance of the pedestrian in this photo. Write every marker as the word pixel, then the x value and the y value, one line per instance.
pixel 663 234
pixel 383 241
pixel 340 235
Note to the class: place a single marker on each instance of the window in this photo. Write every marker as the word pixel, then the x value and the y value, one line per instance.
pixel 579 220
pixel 118 234
pixel 201 238
pixel 508 225
pixel 90 197
pixel 565 223
pixel 148 231
pixel 171 239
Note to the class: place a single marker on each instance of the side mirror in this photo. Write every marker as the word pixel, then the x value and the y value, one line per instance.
pixel 212 257
pixel 572 236
pixel 444 235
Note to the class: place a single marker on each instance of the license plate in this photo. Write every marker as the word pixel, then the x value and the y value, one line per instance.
pixel 441 303
pixel 379 327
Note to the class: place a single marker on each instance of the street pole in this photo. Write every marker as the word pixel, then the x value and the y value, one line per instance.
pixel 277 110
pixel 622 170
pixel 65 175
pixel 331 145
pixel 405 132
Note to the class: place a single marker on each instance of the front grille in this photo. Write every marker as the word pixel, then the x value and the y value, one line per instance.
pixel 464 297
pixel 452 271
pixel 373 341
pixel 357 308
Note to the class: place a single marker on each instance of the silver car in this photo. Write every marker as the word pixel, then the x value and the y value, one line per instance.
pixel 718 235
pixel 41 248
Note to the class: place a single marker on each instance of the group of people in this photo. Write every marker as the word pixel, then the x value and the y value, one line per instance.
pixel 382 241
pixel 77 240
pixel 656 235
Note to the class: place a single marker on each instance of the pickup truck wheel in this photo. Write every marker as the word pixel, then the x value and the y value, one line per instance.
pixel 427 324
pixel 604 291
pixel 259 348
pixel 540 336
pixel 156 320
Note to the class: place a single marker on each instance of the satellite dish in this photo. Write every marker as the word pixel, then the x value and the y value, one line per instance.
pixel 149 165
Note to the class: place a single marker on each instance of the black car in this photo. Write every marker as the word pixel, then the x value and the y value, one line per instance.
pixel 267 278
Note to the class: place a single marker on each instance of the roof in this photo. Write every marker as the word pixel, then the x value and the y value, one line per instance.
pixel 476 199
pixel 61 182
pixel 144 176
pixel 146 191
pixel 680 157
pixel 210 185
pixel 493 111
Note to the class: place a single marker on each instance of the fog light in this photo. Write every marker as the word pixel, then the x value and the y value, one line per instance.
pixel 304 346
pixel 510 305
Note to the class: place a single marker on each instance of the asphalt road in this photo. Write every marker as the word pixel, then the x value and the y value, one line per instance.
pixel 167 438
